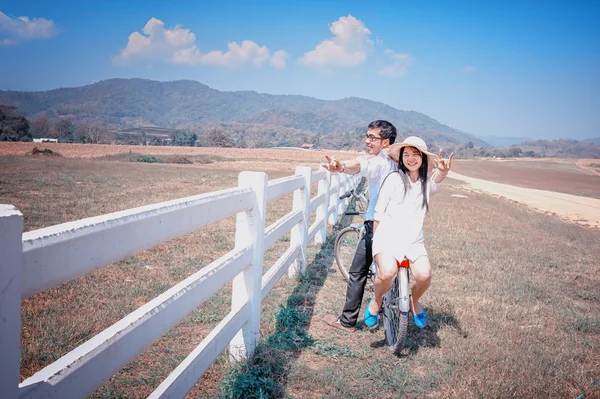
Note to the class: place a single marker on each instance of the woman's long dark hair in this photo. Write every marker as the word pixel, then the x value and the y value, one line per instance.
pixel 422 175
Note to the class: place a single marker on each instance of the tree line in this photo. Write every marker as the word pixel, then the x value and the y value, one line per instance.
pixel 16 127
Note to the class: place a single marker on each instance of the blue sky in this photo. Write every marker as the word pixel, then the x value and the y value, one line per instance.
pixel 504 68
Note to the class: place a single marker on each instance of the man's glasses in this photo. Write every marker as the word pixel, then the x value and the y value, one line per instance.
pixel 371 138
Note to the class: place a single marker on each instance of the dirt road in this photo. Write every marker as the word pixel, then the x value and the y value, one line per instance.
pixel 583 210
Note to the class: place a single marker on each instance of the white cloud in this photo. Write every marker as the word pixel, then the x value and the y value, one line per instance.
pixel 279 59
pixel 248 52
pixel 157 43
pixel 349 46
pixel 397 64
pixel 469 69
pixel 178 46
pixel 16 30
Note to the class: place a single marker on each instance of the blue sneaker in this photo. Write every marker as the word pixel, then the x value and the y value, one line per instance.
pixel 420 318
pixel 370 319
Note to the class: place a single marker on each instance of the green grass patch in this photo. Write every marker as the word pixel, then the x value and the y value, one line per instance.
pixel 256 378
pixel 262 374
pixel 587 325
pixel 175 159
pixel 213 310
pixel 334 351
pixel 146 158
pixel 266 373
pixel 588 296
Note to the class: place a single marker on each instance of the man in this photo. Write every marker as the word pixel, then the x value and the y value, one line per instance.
pixel 379 137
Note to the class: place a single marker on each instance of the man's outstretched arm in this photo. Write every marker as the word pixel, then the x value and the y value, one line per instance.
pixel 333 165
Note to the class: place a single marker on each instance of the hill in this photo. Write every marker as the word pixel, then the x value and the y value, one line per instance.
pixel 593 140
pixel 278 119
pixel 562 148
pixel 500 142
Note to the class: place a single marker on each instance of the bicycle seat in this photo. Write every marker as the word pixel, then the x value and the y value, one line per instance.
pixel 404 263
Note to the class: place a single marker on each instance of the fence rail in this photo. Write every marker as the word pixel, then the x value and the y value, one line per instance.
pixel 39 260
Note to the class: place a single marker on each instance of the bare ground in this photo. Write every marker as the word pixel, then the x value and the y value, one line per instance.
pixel 579 209
pixel 564 175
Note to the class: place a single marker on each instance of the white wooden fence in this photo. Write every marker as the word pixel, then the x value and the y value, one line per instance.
pixel 39 260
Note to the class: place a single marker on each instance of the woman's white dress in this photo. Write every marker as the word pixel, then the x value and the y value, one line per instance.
pixel 401 218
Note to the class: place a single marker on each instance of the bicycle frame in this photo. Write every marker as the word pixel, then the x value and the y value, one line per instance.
pixel 404 294
pixel 362 203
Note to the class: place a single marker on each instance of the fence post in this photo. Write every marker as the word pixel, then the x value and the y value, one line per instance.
pixel 322 210
pixel 250 231
pixel 333 218
pixel 11 252
pixel 299 234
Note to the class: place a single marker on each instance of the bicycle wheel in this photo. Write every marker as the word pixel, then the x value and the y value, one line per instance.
pixel 395 321
pixel 345 248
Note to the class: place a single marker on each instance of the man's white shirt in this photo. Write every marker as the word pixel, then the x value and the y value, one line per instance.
pixel 375 169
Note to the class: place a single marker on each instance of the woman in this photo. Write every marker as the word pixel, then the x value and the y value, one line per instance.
pixel 399 214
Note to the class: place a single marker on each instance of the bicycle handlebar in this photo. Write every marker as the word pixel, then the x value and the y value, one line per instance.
pixel 355 213
pixel 347 194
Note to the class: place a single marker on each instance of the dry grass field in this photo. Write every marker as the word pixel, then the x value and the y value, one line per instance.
pixel 514 307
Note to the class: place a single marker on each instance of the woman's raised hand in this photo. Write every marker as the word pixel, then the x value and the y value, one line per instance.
pixel 444 165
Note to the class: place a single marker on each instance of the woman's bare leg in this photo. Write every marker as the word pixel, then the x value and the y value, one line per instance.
pixel 386 271
pixel 421 271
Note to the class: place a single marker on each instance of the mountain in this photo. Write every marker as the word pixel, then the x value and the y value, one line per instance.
pixel 500 142
pixel 593 141
pixel 135 103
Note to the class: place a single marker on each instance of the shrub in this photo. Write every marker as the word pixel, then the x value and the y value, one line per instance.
pixel 45 151
pixel 179 160
pixel 146 158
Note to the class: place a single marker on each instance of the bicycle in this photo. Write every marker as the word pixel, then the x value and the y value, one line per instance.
pixel 396 302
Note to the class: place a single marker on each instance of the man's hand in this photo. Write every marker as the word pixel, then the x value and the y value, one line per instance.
pixel 332 164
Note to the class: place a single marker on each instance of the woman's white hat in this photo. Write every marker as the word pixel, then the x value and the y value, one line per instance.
pixel 412 141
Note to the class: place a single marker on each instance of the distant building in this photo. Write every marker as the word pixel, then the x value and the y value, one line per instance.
pixel 43 140
pixel 308 146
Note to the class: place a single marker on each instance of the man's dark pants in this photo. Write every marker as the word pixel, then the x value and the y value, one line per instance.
pixel 357 278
